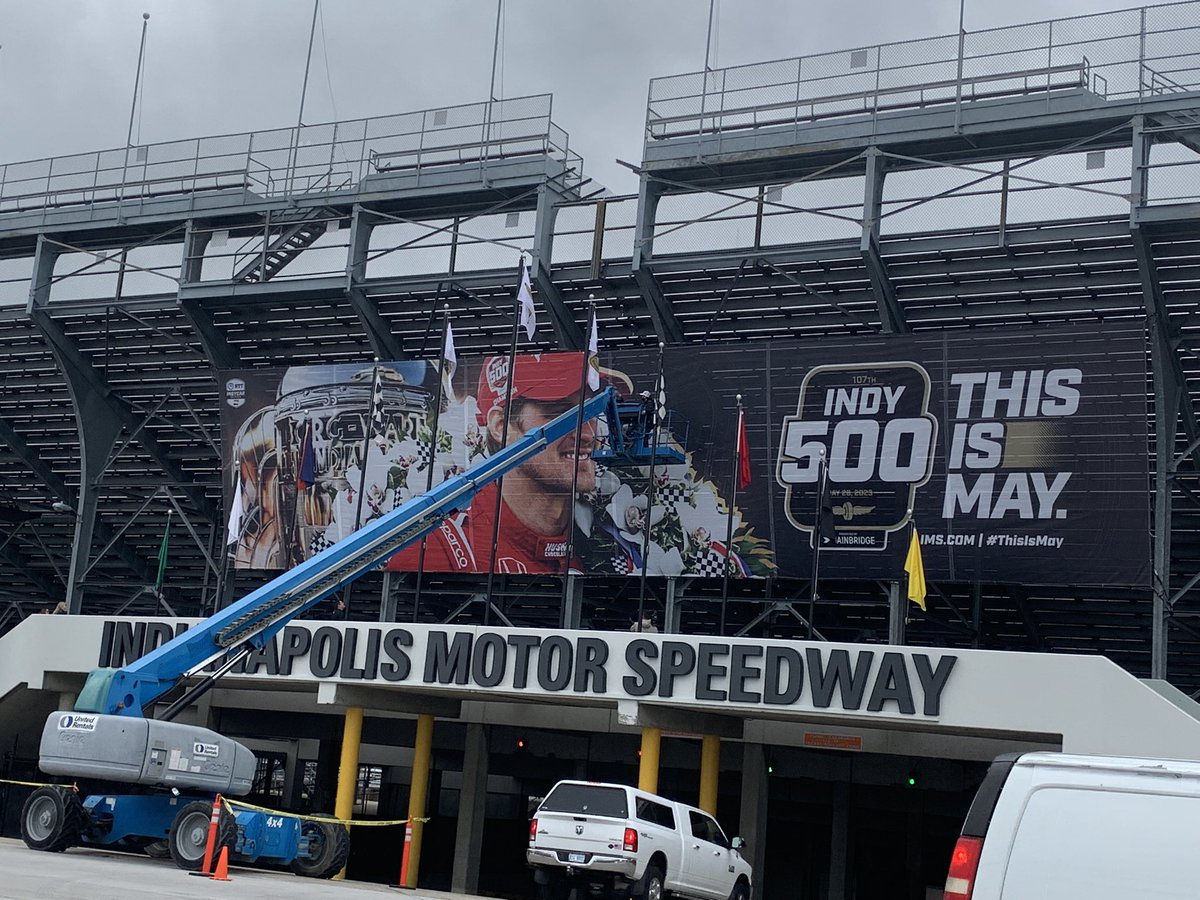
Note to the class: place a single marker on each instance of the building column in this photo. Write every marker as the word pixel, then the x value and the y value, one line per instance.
pixel 472 808
pixel 710 770
pixel 343 807
pixel 839 841
pixel 418 793
pixel 752 818
pixel 648 765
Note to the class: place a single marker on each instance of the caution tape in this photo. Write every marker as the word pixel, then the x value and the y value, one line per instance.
pixel 40 784
pixel 238 804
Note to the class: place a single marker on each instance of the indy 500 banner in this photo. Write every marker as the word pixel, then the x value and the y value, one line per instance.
pixel 1019 456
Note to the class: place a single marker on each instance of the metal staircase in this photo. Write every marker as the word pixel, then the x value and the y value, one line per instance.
pixel 286 246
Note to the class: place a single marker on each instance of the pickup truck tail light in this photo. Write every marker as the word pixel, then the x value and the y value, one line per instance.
pixel 630 842
pixel 533 831
pixel 964 866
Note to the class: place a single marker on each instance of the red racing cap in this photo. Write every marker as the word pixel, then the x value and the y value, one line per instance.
pixel 547 377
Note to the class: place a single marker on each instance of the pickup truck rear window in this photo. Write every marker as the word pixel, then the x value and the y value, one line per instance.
pixel 649 811
pixel 587 799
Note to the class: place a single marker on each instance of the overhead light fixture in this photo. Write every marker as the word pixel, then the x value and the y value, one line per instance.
pixel 59 506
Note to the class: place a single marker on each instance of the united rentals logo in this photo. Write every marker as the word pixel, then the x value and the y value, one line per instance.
pixel 869 425
pixel 77 722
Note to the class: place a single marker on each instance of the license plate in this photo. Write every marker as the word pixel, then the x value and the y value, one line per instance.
pixel 575 857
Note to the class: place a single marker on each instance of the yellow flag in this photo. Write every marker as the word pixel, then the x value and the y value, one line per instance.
pixel 916 571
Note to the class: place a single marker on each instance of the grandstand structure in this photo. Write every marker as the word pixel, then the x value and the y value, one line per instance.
pixel 1025 176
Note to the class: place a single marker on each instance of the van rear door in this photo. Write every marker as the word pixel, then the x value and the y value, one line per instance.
pixel 579 820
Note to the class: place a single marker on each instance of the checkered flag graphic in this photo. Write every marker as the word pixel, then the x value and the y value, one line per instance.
pixel 377 425
pixel 671 493
pixel 621 563
pixel 317 543
pixel 424 455
pixel 708 564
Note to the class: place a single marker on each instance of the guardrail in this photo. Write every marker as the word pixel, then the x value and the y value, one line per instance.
pixel 312 159
pixel 1118 55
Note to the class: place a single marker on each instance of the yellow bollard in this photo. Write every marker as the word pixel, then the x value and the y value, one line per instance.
pixel 710 768
pixel 648 767
pixel 348 768
pixel 422 751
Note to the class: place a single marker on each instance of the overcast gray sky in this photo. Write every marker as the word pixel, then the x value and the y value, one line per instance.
pixel 224 66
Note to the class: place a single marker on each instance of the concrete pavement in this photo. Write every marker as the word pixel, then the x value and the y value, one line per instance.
pixel 90 874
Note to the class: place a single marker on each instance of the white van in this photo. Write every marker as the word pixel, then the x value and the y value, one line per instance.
pixel 1048 825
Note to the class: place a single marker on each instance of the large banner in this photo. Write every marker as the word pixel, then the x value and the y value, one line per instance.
pixel 1018 456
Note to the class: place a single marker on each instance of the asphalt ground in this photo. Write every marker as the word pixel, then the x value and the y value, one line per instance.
pixel 88 874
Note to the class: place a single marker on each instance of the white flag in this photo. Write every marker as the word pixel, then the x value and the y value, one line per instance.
pixel 593 372
pixel 449 356
pixel 525 297
pixel 234 529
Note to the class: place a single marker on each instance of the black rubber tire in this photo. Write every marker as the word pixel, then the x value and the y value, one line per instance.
pixel 653 884
pixel 157 850
pixel 52 819
pixel 329 848
pixel 189 834
pixel 741 891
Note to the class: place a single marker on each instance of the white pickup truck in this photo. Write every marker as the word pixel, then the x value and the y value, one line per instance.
pixel 612 839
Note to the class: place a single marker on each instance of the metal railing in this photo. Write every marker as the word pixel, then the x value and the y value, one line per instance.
pixel 1118 55
pixel 313 159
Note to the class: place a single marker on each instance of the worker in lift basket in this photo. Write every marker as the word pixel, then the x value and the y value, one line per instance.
pixel 537 506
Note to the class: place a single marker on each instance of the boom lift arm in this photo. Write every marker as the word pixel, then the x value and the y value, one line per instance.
pixel 251 622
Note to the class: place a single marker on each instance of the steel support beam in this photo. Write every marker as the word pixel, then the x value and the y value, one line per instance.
pixel 60 489
pixel 100 418
pixel 566 329
pixel 891 316
pixel 1170 393
pixel 665 324
pixel 384 344
pixel 96 422
pixel 219 351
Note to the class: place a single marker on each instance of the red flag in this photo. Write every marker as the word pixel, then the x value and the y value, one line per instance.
pixel 743 453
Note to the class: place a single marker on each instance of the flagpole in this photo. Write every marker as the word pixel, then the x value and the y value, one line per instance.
pixel 822 476
pixel 362 467
pixel 583 386
pixel 233 527
pixel 653 424
pixel 508 389
pixel 294 551
pixel 433 442
pixel 734 471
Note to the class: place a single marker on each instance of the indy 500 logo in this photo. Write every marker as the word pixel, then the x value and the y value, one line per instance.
pixel 870 424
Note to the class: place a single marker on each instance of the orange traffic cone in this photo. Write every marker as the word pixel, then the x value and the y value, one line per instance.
pixel 222 873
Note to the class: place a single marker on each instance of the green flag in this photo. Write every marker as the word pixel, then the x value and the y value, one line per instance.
pixel 162 556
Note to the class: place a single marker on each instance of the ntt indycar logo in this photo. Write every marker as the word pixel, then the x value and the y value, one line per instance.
pixel 77 722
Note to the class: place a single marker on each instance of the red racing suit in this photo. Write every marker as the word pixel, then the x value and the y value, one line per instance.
pixel 463 543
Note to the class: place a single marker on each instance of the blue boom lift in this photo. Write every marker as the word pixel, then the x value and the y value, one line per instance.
pixel 174 769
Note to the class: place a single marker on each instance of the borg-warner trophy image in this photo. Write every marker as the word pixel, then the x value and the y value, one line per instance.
pixel 316 451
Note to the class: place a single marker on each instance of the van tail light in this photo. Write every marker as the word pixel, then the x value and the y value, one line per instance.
pixel 964 864
pixel 533 831
pixel 630 843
